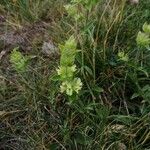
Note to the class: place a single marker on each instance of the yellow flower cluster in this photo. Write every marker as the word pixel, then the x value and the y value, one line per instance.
pixel 143 38
pixel 71 86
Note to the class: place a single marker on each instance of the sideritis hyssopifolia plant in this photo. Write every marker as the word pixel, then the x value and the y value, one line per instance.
pixel 18 61
pixel 67 69
pixel 143 42
pixel 83 16
pixel 143 38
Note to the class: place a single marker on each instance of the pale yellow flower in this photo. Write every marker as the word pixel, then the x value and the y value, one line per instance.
pixel 146 28
pixel 142 39
pixel 77 85
pixel 71 86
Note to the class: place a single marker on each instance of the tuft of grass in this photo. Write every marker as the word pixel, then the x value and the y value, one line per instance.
pixel 22 11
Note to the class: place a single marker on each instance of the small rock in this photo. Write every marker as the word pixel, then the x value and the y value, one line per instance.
pixel 122 146
pixel 49 48
pixel 12 39
pixel 134 2
pixel 2 53
pixel 2 19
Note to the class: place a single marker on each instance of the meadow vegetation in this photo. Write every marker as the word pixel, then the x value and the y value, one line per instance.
pixel 92 94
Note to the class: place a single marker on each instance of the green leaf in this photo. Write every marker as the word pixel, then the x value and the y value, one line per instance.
pixel 55 77
pixel 88 70
pixel 135 95
pixel 127 120
pixel 97 89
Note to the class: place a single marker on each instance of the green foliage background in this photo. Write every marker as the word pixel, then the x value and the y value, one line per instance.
pixel 110 112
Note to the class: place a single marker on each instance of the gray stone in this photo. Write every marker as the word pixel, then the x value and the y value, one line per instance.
pixel 48 48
